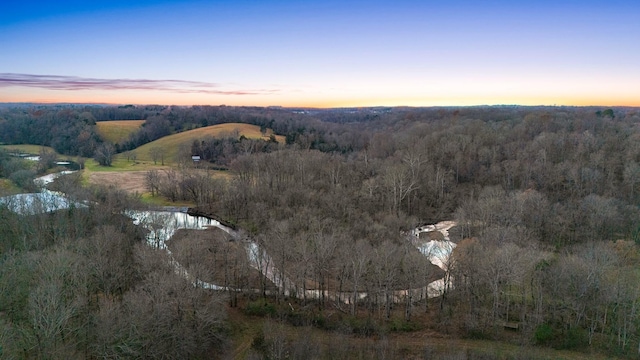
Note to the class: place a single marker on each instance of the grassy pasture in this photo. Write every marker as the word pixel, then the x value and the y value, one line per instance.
pixel 27 149
pixel 171 144
pixel 120 163
pixel 117 131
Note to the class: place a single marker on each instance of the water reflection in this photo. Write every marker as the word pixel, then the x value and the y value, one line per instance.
pixel 39 203
pixel 438 251
pixel 48 179
pixel 162 225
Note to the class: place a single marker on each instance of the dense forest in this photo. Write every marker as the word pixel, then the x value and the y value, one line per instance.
pixel 545 201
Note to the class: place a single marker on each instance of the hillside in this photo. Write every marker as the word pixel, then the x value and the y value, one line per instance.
pixel 117 131
pixel 170 145
pixel 27 148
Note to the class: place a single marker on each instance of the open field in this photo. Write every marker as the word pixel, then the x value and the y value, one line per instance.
pixel 117 131
pixel 130 181
pixel 27 148
pixel 120 163
pixel 171 145
pixel 133 180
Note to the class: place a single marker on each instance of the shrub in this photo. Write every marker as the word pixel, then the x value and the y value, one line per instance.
pixel 363 327
pixel 543 334
pixel 401 325
pixel 260 308
pixel 575 338
pixel 23 179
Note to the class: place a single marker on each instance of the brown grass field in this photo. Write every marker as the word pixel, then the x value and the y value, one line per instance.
pixel 117 131
pixel 129 181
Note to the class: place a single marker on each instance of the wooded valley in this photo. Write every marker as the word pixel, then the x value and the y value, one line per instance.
pixel 544 200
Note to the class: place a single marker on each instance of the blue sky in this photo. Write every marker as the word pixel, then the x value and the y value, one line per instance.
pixel 321 53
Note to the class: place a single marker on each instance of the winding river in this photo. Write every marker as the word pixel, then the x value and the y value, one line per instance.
pixel 41 202
pixel 162 225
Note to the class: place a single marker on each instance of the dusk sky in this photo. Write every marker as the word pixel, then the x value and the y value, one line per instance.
pixel 321 53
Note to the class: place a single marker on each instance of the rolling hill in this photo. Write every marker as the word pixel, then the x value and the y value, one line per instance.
pixel 170 145
pixel 117 131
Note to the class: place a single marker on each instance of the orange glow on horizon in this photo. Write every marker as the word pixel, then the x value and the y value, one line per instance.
pixel 332 103
pixel 320 101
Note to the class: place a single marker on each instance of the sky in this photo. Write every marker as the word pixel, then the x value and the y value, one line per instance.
pixel 321 53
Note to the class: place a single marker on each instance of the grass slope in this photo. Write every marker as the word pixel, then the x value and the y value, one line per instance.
pixel 27 149
pixel 117 131
pixel 171 144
